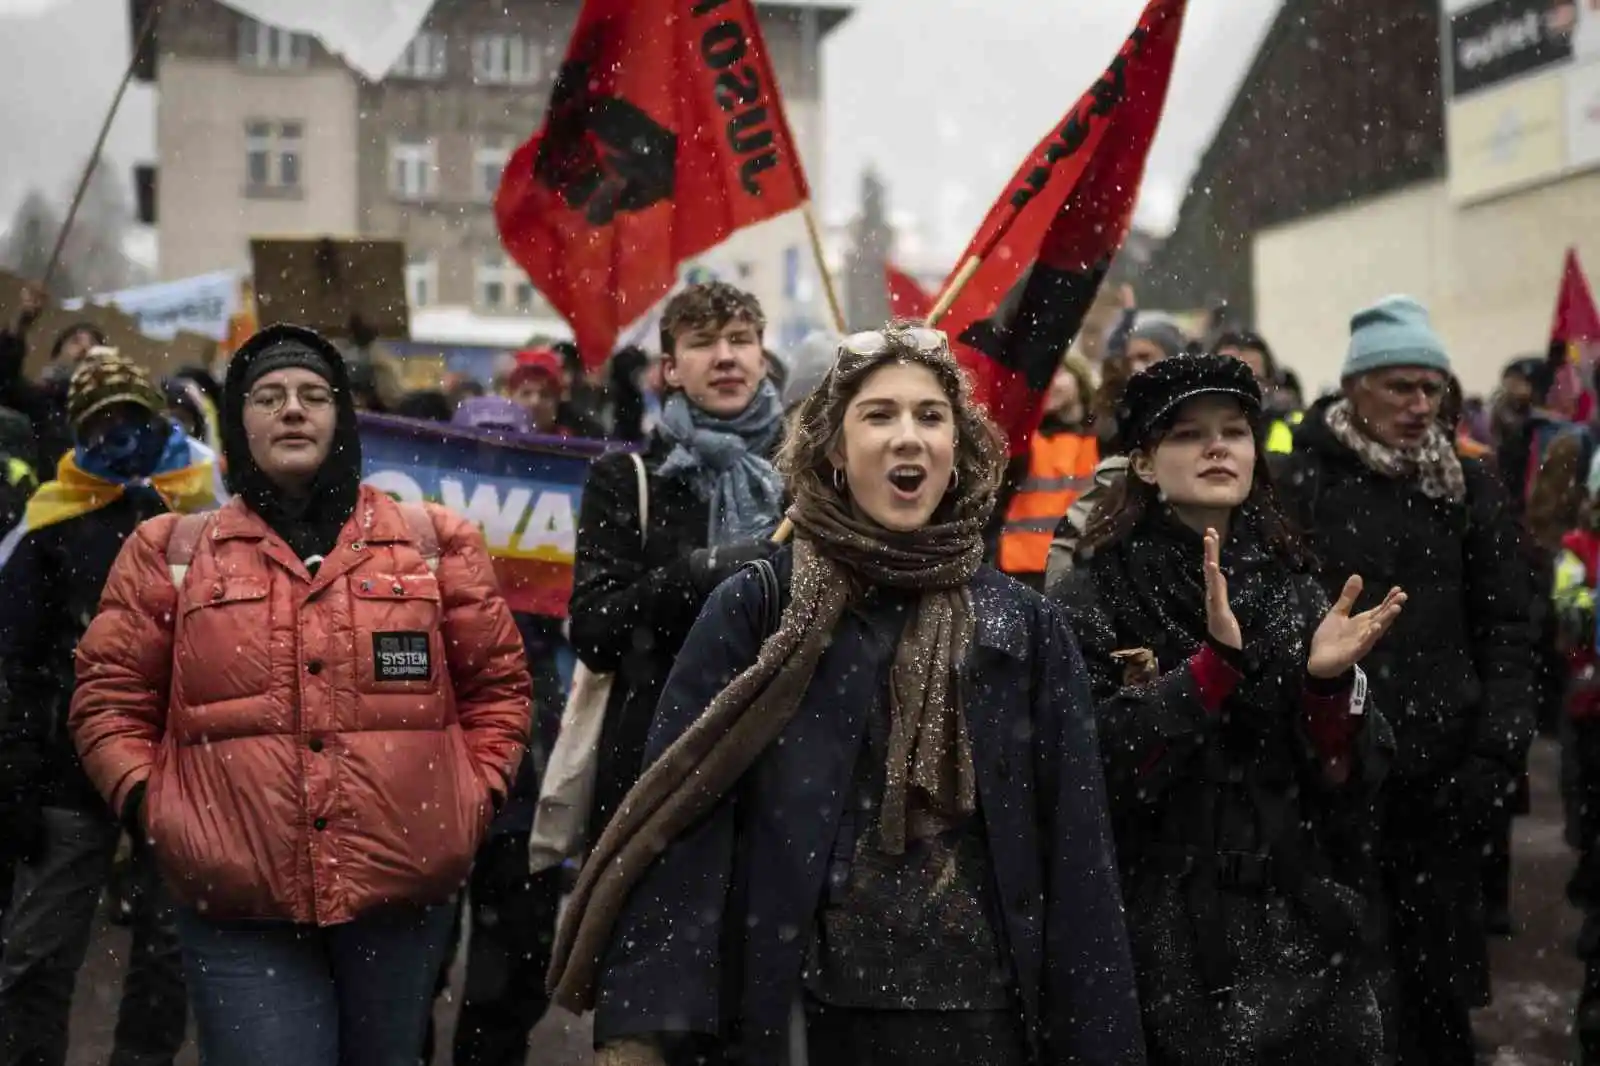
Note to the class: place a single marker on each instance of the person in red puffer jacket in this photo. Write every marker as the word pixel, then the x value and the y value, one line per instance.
pixel 310 703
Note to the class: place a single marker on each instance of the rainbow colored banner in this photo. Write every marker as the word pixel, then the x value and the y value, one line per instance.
pixel 522 491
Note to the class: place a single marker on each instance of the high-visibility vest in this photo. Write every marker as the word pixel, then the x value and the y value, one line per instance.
pixel 1060 469
pixel 1280 435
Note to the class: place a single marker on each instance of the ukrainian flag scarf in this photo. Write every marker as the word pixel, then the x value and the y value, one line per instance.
pixel 187 479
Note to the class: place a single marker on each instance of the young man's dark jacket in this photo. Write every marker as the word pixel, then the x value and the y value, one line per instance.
pixel 632 606
pixel 719 926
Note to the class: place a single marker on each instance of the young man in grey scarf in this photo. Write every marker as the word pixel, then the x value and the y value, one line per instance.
pixel 712 501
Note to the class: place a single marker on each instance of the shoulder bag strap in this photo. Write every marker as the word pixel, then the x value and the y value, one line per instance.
pixel 642 480
pixel 182 545
pixel 423 531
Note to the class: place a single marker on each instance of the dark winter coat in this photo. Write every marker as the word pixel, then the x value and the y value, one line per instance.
pixel 44 404
pixel 1242 864
pixel 1455 676
pixel 49 592
pixel 718 928
pixel 632 607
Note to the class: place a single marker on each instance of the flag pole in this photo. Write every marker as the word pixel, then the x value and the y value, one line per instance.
pixel 815 233
pixel 145 29
pixel 952 291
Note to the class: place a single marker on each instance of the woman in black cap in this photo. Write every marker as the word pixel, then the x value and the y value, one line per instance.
pixel 1239 746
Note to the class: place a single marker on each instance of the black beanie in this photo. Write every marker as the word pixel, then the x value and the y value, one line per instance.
pixel 289 352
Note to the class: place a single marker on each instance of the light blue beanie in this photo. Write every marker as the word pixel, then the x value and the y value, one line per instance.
pixel 1395 331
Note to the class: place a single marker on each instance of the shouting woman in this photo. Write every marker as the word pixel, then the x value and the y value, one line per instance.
pixel 1239 748
pixel 878 824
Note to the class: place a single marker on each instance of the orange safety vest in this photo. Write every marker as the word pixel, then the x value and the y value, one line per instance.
pixel 1060 469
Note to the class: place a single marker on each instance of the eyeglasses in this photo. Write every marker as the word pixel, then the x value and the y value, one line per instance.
pixel 271 399
pixel 874 341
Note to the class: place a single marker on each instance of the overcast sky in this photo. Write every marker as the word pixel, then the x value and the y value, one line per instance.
pixel 942 97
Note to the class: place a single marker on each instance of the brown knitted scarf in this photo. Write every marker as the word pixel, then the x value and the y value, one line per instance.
pixel 930 754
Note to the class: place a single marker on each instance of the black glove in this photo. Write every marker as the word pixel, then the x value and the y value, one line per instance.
pixel 1477 792
pixel 710 567
pixel 21 830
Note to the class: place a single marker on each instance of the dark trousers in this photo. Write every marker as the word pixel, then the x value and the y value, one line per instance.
pixel 1439 953
pixel 282 994
pixel 48 926
pixel 513 918
pixel 913 1038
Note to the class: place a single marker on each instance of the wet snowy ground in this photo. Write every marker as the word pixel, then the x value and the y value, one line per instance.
pixel 1536 977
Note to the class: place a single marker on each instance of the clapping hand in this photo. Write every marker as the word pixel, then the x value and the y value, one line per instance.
pixel 1343 639
pixel 1220 622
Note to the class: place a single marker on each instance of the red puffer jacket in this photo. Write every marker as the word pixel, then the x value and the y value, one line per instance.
pixel 312 747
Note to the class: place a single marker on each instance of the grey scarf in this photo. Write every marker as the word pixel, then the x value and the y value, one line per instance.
pixel 725 460
pixel 1433 464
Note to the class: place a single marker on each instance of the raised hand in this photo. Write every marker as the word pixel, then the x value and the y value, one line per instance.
pixel 1220 622
pixel 1342 640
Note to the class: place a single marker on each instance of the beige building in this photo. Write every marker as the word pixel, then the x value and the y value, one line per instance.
pixel 261 132
pixel 1488 272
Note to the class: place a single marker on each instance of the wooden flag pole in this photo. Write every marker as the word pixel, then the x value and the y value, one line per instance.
pixel 145 29
pixel 953 290
pixel 815 233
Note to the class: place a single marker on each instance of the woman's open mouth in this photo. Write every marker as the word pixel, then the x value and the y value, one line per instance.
pixel 907 480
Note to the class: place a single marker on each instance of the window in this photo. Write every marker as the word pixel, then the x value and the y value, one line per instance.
pixel 488 162
pixel 413 169
pixel 500 284
pixel 526 299
pixel 422 280
pixel 423 59
pixel 272 152
pixel 505 59
pixel 269 48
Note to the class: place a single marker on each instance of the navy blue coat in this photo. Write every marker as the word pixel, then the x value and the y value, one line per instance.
pixel 684 959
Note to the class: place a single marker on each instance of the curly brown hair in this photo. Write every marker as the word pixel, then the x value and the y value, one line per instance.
pixel 817 426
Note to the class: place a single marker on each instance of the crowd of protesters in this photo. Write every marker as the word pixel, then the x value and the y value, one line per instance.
pixel 1190 735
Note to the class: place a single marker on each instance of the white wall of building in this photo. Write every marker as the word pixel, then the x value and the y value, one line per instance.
pixel 206 220
pixel 1488 273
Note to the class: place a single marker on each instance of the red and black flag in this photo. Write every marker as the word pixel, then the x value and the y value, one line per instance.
pixel 907 299
pixel 1066 212
pixel 665 134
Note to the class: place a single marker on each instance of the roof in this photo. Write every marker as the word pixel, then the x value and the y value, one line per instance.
pixel 1341 102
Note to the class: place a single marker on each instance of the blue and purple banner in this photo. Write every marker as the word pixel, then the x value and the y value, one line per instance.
pixel 523 492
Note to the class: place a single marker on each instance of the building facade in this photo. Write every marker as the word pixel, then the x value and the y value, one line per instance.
pixel 263 133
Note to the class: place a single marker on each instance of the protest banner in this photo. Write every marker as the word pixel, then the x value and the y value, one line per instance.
pixel 202 304
pixel 523 492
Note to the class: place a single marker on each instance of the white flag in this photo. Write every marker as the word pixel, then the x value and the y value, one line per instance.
pixel 367 34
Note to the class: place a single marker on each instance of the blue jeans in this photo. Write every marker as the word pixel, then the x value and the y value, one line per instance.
pixel 357 994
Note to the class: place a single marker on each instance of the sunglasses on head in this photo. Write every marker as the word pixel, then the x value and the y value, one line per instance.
pixel 874 341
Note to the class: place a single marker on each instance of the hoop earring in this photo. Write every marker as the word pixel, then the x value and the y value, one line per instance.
pixel 955 478
pixel 838 480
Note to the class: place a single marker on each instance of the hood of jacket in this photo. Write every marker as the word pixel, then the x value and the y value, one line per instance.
pixel 309 524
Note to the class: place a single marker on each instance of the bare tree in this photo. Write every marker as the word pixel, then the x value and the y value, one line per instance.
pixel 29 240
pixel 94 251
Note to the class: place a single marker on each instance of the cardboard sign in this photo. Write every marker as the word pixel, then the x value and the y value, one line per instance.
pixel 329 284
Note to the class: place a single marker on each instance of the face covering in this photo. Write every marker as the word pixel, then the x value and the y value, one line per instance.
pixel 126 451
